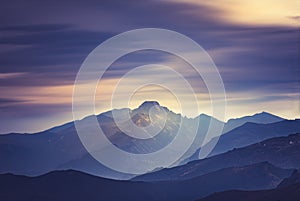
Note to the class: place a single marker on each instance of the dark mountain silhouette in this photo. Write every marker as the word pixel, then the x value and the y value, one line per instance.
pixel 287 190
pixel 77 186
pixel 282 152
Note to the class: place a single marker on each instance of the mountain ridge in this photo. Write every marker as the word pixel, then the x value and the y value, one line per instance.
pixel 149 103
pixel 63 147
pixel 75 185
pixel 249 133
pixel 288 156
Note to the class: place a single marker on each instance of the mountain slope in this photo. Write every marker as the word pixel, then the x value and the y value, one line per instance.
pixel 77 186
pixel 250 133
pixel 282 152
pixel 205 121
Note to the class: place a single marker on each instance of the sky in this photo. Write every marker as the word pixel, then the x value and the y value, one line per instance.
pixel 255 45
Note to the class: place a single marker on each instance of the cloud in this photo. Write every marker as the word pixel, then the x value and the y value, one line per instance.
pixel 26 117
pixel 11 75
pixel 296 18
pixel 6 101
pixel 34 28
pixel 42 45
pixel 252 12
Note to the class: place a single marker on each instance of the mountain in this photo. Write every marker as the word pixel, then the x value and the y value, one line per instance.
pixel 287 190
pixel 60 148
pixel 77 186
pixel 46 152
pixel 283 152
pixel 163 120
pixel 53 149
pixel 249 133
pixel 260 118
pixel 205 120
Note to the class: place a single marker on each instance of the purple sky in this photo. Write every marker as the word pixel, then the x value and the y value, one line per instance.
pixel 43 43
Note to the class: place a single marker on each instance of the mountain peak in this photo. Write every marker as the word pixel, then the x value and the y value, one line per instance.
pixel 204 115
pixel 268 116
pixel 149 104
pixel 263 113
pixel 260 118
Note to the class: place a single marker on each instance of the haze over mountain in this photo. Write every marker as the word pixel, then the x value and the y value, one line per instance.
pixel 60 148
